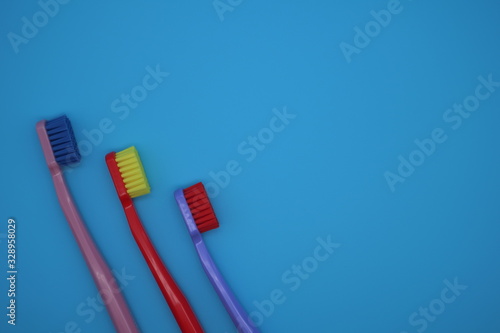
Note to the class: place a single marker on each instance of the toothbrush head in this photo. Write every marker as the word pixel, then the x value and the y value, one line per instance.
pixel 62 140
pixel 200 207
pixel 128 173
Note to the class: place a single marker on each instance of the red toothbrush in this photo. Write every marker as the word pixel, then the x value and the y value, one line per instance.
pixel 130 181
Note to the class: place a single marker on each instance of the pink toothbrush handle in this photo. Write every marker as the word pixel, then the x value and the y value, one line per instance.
pixel 106 283
pixel 104 279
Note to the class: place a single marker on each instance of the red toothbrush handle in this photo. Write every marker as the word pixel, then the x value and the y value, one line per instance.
pixel 186 319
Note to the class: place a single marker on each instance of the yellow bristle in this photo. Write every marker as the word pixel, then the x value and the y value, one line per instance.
pixel 132 172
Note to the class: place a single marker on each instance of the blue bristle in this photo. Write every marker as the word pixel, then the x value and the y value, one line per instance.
pixel 62 140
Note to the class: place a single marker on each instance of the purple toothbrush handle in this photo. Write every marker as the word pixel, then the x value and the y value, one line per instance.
pixel 239 316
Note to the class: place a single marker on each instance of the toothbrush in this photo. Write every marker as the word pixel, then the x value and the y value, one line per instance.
pixel 130 181
pixel 60 148
pixel 200 217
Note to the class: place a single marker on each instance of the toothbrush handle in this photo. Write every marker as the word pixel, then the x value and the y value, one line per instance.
pixel 239 316
pixel 184 315
pixel 106 283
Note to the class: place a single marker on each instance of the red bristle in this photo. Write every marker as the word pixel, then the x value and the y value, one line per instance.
pixel 201 209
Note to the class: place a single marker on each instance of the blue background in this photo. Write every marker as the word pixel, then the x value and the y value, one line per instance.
pixel 322 175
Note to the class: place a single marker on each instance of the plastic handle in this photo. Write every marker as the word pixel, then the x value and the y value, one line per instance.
pixel 238 315
pixel 179 305
pixel 106 283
